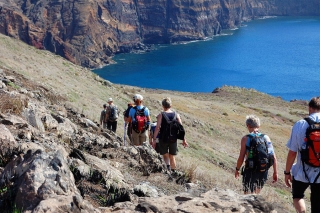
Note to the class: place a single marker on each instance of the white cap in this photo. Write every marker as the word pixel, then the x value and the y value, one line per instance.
pixel 138 97
pixel 110 100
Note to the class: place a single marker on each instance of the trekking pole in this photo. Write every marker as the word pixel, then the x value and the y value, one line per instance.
pixel 124 134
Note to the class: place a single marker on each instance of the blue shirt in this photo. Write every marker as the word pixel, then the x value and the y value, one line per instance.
pixel 295 143
pixel 132 112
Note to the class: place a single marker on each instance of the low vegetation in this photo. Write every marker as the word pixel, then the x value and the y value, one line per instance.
pixel 214 122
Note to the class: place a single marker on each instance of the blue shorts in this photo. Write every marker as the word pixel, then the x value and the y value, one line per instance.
pixel 252 180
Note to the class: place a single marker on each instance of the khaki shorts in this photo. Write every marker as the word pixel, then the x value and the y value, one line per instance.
pixel 139 138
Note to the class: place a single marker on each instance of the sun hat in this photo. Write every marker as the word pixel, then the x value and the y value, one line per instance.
pixel 110 100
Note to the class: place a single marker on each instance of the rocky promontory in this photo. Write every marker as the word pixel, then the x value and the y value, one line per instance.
pixel 88 33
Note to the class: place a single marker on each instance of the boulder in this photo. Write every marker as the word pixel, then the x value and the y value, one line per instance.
pixel 5 135
pixel 34 119
pixel 44 183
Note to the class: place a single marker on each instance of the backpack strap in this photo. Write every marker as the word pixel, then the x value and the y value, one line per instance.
pixel 166 116
pixel 309 121
pixel 251 135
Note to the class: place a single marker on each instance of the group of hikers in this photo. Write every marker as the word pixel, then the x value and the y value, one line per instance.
pixel 303 159
pixel 163 134
pixel 256 155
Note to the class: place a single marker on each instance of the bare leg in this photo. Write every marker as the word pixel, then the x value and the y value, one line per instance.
pixel 257 191
pixel 300 205
pixel 172 161
pixel 166 158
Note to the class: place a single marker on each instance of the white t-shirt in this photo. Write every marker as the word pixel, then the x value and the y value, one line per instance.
pixel 295 143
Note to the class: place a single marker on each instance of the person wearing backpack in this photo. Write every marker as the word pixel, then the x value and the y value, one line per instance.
pixel 304 147
pixel 112 115
pixel 168 145
pixel 139 117
pixel 103 121
pixel 258 153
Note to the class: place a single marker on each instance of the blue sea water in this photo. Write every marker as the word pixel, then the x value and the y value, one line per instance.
pixel 279 56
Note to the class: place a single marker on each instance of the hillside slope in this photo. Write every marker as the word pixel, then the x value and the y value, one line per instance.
pixel 214 122
pixel 88 32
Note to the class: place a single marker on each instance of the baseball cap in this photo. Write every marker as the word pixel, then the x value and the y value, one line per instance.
pixel 110 100
pixel 138 97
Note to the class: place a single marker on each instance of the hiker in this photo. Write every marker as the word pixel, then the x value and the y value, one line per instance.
pixel 126 120
pixel 151 134
pixel 103 121
pixel 258 151
pixel 139 117
pixel 112 116
pixel 306 171
pixel 168 149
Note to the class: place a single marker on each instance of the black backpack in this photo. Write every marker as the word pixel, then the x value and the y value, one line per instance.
pixel 171 130
pixel 258 158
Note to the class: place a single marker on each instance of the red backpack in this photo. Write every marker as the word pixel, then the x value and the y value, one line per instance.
pixel 139 125
pixel 310 152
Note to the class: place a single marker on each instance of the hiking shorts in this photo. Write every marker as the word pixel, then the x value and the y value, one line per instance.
pixel 298 189
pixel 138 138
pixel 171 148
pixel 252 180
pixel 157 148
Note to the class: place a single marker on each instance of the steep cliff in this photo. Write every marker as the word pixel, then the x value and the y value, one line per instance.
pixel 89 32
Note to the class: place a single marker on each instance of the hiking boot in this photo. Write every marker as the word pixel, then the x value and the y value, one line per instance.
pixel 174 173
pixel 168 169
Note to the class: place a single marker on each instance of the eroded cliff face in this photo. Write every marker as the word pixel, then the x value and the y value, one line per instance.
pixel 88 32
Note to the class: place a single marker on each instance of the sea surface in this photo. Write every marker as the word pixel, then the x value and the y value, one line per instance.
pixel 277 55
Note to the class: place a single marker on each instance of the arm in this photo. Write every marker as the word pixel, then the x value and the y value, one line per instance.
pixel 131 113
pixel 290 160
pixel 156 131
pixel 275 163
pixel 242 154
pixel 275 169
pixel 179 119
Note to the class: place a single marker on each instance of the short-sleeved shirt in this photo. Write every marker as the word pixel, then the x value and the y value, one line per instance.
pixel 133 111
pixel 295 143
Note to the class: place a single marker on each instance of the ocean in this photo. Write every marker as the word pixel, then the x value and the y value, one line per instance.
pixel 279 56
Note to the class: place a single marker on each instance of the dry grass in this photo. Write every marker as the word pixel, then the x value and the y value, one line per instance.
pixel 214 122
pixel 12 104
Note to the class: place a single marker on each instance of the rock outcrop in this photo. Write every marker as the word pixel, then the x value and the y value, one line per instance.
pixel 90 32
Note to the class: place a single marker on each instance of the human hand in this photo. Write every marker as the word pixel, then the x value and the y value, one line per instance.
pixel 288 180
pixel 153 144
pixel 275 177
pixel 236 174
pixel 184 143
